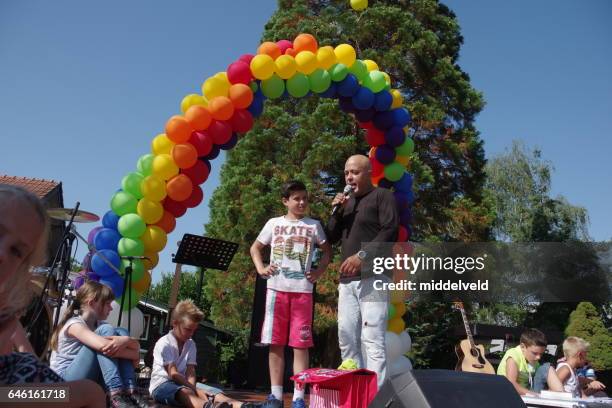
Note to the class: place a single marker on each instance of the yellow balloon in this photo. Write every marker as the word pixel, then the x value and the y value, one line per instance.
pixel 306 62
pixel 154 238
pixel 371 65
pixel 192 99
pixel 150 211
pixel 285 66
pixel 396 325
pixel 403 160
pixel 214 87
pixel 398 296
pixel 326 57
pixel 151 262
pixel 359 5
pixel 161 144
pixel 164 167
pixel 387 78
pixel 262 66
pixel 153 188
pixel 345 54
pixel 222 75
pixel 398 99
pixel 400 309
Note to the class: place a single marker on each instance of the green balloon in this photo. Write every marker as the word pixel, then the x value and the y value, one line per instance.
pixel 138 269
pixel 338 72
pixel 320 80
pixel 130 247
pixel 134 298
pixel 392 311
pixel 375 81
pixel 145 164
pixel 131 226
pixel 123 203
pixel 394 171
pixel 359 69
pixel 131 184
pixel 273 87
pixel 298 85
pixel 406 148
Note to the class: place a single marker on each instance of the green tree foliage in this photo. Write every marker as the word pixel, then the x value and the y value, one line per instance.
pixel 188 289
pixel 585 322
pixel 417 43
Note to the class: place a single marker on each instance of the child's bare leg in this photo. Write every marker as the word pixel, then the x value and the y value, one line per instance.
pixel 225 398
pixel 554 384
pixel 188 398
pixel 276 360
pixel 300 360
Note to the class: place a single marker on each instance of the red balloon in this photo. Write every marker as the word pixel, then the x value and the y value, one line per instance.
pixel 242 121
pixel 402 234
pixel 167 222
pixel 195 198
pixel 284 45
pixel 366 125
pixel 221 131
pixel 377 167
pixel 202 141
pixel 246 58
pixel 175 208
pixel 239 72
pixel 198 173
pixel 375 137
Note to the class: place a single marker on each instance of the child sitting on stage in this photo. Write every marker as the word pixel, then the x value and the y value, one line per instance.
pixel 173 378
pixel 575 351
pixel 23 242
pixel 84 346
pixel 521 365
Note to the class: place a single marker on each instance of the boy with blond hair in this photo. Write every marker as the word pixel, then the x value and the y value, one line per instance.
pixel 173 377
pixel 575 351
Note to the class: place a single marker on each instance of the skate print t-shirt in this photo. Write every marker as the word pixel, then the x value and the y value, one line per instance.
pixel 292 243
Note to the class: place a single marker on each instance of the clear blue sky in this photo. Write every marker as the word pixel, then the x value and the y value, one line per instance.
pixel 85 86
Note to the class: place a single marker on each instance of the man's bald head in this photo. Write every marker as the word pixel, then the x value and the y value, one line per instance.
pixel 357 173
pixel 359 160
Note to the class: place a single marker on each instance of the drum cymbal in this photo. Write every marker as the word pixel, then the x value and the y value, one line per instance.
pixel 64 214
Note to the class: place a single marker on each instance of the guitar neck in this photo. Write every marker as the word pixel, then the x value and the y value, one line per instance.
pixel 466 324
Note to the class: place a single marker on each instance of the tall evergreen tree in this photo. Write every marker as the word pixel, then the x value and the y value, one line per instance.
pixel 417 43
pixel 586 322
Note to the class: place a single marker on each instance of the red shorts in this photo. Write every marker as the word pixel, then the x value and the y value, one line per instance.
pixel 288 315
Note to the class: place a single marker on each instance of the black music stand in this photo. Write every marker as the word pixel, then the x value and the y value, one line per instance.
pixel 206 253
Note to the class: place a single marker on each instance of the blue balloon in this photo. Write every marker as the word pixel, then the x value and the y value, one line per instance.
pixel 383 120
pixel 230 143
pixel 404 184
pixel 365 115
pixel 256 107
pixel 110 220
pixel 100 267
pixel 401 200
pixel 405 216
pixel 383 101
pixel 213 153
pixel 384 183
pixel 385 154
pixel 401 117
pixel 395 136
pixel 107 238
pixel 346 104
pixel 348 86
pixel 330 92
pixel 363 99
pixel 115 282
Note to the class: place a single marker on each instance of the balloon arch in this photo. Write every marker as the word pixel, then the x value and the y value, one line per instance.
pixel 167 181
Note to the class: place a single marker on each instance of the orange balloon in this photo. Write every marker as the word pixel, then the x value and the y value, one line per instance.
pixel 184 155
pixel 167 222
pixel 270 48
pixel 152 261
pixel 376 179
pixel 241 96
pixel 198 117
pixel 221 108
pixel 179 187
pixel 142 284
pixel 178 129
pixel 291 51
pixel 305 42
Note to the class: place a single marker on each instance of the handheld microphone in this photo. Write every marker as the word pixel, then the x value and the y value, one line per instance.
pixel 348 189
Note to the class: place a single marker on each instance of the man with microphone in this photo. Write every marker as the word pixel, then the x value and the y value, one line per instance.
pixel 362 214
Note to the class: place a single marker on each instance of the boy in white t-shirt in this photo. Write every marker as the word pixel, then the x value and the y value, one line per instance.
pixel 288 313
pixel 173 377
pixel 575 351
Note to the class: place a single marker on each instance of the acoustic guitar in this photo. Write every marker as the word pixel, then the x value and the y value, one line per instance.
pixel 471 356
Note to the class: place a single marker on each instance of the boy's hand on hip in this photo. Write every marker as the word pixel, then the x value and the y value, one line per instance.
pixel 351 266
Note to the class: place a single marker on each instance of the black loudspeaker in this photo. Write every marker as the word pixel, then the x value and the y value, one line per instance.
pixel 447 389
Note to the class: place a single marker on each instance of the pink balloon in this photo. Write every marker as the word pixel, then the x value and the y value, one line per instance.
pixel 239 72
pixel 284 45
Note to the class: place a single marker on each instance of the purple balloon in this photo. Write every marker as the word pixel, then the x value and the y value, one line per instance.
pixel 384 183
pixel 383 120
pixel 92 234
pixel 385 154
pixel 405 216
pixel 395 136
pixel 346 104
pixel 364 115
pixel 87 261
pixel 78 282
pixel 93 276
pixel 401 199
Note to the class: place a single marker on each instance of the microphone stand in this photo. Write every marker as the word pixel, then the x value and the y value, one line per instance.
pixel 127 286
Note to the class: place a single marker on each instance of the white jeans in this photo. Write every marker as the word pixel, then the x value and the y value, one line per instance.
pixel 362 324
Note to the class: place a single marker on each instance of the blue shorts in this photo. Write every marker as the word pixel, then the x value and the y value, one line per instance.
pixel 165 393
